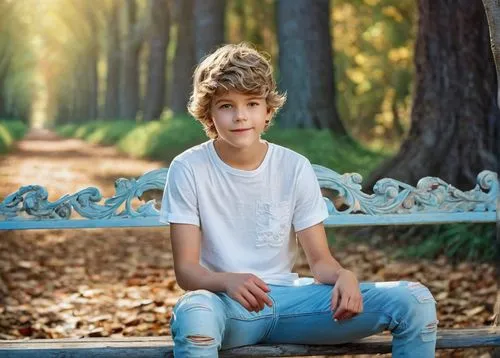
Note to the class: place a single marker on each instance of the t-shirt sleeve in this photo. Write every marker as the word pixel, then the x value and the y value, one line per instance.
pixel 179 203
pixel 310 207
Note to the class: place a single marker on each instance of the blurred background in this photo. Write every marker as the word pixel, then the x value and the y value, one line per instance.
pixel 382 75
pixel 93 90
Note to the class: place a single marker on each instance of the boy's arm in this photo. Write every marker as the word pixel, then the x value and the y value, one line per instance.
pixel 186 240
pixel 323 265
pixel 346 297
pixel 249 290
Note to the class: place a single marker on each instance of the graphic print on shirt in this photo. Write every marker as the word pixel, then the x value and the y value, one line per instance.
pixel 272 219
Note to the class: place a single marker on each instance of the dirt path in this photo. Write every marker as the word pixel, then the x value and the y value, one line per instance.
pixel 80 283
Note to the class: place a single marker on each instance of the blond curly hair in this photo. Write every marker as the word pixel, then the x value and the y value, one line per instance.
pixel 232 67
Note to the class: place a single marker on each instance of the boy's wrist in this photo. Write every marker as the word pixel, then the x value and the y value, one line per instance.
pixel 222 279
pixel 337 273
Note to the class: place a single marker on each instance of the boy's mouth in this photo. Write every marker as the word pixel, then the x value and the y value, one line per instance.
pixel 240 130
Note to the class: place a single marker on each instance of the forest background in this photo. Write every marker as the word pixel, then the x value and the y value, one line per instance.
pixel 386 88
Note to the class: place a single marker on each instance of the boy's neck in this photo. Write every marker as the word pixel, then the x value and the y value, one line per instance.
pixel 242 158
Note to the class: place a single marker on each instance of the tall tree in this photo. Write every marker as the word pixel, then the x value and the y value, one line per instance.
pixel 130 70
pixel 92 59
pixel 492 8
pixel 111 107
pixel 158 42
pixel 455 119
pixel 209 25
pixel 184 59
pixel 306 65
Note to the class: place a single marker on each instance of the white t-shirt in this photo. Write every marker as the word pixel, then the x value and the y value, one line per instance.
pixel 248 219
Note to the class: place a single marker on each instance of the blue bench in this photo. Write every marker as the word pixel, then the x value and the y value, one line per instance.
pixel 432 201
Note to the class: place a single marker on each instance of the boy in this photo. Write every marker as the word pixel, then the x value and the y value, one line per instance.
pixel 236 205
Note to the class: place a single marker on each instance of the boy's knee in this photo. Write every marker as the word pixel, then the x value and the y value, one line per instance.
pixel 198 318
pixel 410 295
pixel 418 305
pixel 420 292
pixel 410 300
pixel 417 308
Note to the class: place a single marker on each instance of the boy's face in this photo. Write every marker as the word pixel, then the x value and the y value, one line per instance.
pixel 239 118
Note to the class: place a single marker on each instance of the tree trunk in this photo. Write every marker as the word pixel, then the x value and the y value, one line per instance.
pixel 81 97
pixel 184 60
pixel 306 65
pixel 93 108
pixel 209 25
pixel 492 8
pixel 92 57
pixel 111 107
pixel 130 84
pixel 158 43
pixel 454 120
pixel 3 113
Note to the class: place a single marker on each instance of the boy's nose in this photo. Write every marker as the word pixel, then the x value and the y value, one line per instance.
pixel 241 115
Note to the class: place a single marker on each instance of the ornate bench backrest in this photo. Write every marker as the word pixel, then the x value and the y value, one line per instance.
pixel 392 203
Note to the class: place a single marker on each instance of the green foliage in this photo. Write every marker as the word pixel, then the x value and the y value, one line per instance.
pixel 17 58
pixel 6 139
pixel 321 148
pixel 66 130
pixel 457 241
pixel 98 132
pixel 87 129
pixel 10 131
pixel 164 139
pixel 16 128
pixel 110 132
pixel 373 42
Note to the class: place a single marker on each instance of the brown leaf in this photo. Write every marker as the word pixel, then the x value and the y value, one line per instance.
pixel 26 331
pixel 98 332
pixel 105 317
pixel 474 311
pixel 134 321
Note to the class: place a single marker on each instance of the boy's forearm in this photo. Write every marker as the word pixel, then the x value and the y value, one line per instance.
pixel 195 277
pixel 326 270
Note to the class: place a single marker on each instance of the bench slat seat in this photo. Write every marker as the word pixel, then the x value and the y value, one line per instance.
pixel 152 347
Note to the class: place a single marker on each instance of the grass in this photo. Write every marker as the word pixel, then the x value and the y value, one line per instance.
pixel 475 242
pixel 11 130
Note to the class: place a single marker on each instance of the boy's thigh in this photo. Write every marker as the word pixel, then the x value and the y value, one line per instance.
pixel 305 314
pixel 244 327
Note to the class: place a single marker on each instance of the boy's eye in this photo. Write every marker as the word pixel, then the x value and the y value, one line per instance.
pixel 253 104
pixel 225 106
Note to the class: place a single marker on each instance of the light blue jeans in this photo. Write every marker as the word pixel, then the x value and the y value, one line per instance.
pixel 302 314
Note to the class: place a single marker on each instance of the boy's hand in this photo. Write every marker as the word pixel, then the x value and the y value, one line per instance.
pixel 249 290
pixel 347 301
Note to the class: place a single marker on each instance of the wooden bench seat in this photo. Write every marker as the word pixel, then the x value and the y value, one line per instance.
pixel 152 347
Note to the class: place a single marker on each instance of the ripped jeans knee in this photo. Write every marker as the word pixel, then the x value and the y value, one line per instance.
pixel 197 325
pixel 418 312
pixel 200 339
